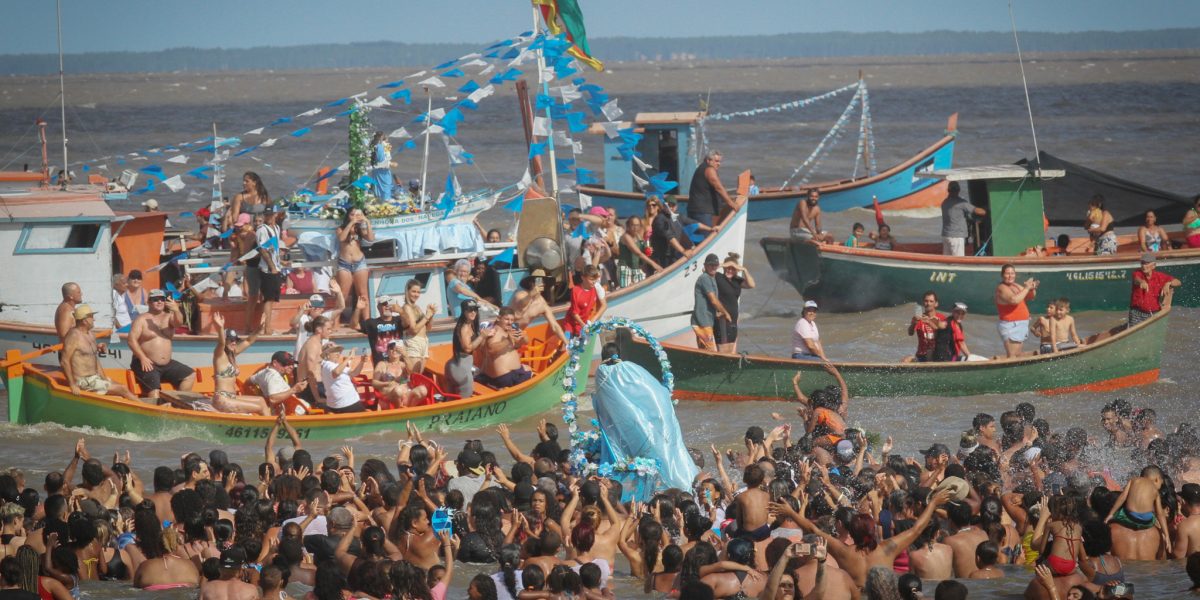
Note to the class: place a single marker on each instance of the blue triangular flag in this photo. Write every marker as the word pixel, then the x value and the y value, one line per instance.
pixel 509 256
pixel 469 87
pixel 391 84
pixel 516 204
pixel 536 148
pixel 300 132
pixel 693 233
pixel 581 231
pixel 362 182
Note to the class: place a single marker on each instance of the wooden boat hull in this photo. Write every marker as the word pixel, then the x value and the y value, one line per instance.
pixel 36 396
pixel 662 304
pixel 844 279
pixel 1129 358
pixel 897 188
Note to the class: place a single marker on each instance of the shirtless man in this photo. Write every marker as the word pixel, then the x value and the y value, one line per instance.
pixel 965 539
pixel 415 323
pixel 806 220
pixel 229 587
pixel 753 521
pixel 319 329
pixel 985 425
pixel 1139 508
pixel 63 315
pixel 79 362
pixel 929 558
pixel 837 583
pixel 502 362
pixel 150 342
pixel 414 536
pixel 1187 533
pixel 529 303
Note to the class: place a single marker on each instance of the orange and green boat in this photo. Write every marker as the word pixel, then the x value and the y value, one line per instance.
pixel 39 394
pixel 1120 359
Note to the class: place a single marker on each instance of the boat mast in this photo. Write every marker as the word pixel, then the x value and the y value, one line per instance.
pixel 549 118
pixel 425 159
pixel 62 93
pixel 1025 85
pixel 218 174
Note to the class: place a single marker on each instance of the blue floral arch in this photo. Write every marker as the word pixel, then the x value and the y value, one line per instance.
pixel 584 443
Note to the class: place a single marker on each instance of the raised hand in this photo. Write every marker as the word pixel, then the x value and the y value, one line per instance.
pixel 887 445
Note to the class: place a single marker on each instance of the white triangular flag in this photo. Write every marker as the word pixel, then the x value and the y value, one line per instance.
pixel 325 122
pixel 476 63
pixel 611 111
pixel 541 126
pixel 470 56
pixel 343 166
pixel 641 163
pixel 399 133
pixel 268 143
pixel 102 167
pixel 437 114
pixel 546 75
pixel 456 154
pixel 174 183
pixel 525 182
pixel 570 93
pixel 338 196
pixel 309 113
pixel 611 128
pixel 359 95
pixel 576 147
pixel 566 185
pixel 416 75
pixel 435 129
pixel 182 159
pixel 254 131
pixel 379 101
pixel 560 138
pixel 432 82
pixel 482 93
pixel 487 69
pixel 642 183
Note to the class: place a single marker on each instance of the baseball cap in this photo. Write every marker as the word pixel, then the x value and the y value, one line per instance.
pixel 83 311
pixel 317 300
pixel 936 450
pixel 712 259
pixel 243 219
pixel 233 558
pixel 151 204
pixel 156 293
pixel 284 358
pixel 382 300
pixel 1149 257
pixel 471 460
pixel 810 304
pixel 414 184
pixel 960 306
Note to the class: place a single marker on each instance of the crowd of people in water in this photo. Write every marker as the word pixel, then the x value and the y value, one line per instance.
pixel 805 508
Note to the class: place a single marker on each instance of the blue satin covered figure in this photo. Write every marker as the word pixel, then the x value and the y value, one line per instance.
pixel 637 420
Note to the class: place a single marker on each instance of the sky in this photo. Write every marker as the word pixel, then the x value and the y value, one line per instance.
pixel 148 25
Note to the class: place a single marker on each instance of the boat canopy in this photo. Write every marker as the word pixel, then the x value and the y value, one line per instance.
pixel 1066 198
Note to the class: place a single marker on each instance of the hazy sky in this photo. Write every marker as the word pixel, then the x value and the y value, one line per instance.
pixel 141 25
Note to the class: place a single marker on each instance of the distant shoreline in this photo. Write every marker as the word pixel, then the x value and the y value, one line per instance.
pixel 616 50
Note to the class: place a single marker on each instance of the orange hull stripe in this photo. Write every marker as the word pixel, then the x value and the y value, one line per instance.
pixel 1108 385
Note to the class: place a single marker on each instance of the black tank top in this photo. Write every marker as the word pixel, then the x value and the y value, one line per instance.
pixel 702 197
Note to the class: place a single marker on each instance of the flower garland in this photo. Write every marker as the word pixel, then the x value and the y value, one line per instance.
pixel 585 443
pixel 360 159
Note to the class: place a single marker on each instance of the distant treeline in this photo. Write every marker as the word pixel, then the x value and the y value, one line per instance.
pixel 392 54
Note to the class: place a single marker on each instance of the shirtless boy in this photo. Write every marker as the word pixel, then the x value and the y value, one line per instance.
pixel 150 341
pixel 1041 327
pixel 79 361
pixel 416 327
pixel 1187 533
pixel 753 521
pixel 529 303
pixel 1062 329
pixel 1140 507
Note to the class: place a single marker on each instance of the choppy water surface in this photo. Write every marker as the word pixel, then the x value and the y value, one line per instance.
pixel 1131 115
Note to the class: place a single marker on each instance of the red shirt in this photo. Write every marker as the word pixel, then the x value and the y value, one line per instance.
pixel 583 304
pixel 1147 300
pixel 925 334
pixel 302 283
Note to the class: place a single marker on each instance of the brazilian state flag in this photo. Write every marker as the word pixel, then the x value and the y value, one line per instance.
pixel 565 16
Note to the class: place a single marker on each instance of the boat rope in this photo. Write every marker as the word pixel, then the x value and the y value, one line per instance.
pixel 801 103
pixel 826 144
pixel 743 359
pixel 866 139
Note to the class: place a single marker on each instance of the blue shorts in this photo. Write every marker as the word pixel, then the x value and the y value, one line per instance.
pixel 352 267
pixel 802 356
pixel 1013 331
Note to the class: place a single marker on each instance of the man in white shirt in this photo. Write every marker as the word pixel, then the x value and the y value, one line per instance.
pixel 271 279
pixel 806 340
pixel 272 379
pixel 314 308
pixel 337 375
pixel 120 285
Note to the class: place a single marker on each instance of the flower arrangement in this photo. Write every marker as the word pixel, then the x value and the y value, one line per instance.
pixel 585 443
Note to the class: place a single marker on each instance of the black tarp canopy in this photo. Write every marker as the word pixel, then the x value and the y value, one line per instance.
pixel 1066 198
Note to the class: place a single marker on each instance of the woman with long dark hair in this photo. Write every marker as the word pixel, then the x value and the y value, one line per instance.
pixel 508 578
pixel 353 234
pixel 225 372
pixel 157 568
pixel 253 199
pixel 460 368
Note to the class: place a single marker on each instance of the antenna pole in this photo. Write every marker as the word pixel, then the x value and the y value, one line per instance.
pixel 425 158
pixel 62 92
pixel 1025 85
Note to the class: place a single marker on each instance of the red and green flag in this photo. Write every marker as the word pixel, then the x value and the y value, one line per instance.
pixel 564 16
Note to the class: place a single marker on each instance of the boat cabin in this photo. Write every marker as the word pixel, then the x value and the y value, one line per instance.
pixel 669 145
pixel 1012 197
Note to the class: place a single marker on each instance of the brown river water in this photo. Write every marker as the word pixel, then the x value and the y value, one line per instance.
pixel 1130 114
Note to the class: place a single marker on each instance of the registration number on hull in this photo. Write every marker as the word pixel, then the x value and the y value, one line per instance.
pixel 942 277
pixel 1114 275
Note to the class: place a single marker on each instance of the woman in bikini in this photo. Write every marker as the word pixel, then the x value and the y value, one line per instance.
pixel 1191 224
pixel 390 379
pixel 1066 548
pixel 354 233
pixel 1151 235
pixel 225 373
pixel 157 569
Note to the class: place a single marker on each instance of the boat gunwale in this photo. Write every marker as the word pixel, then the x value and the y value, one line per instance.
pixel 906 256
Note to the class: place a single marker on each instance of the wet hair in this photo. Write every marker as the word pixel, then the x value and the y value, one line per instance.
pixel 315 324
pixel 1097 539
pixel 329 581
pixel 408 581
pixel 93 472
pixel 987 553
pixel 908 584
pixel 211 568
pixel 533 577
pixel 881 583
pixel 273 576
pixel 509 558
pixel 753 475
pixel 561 579
pixel 590 575
pixel 650 533
pixel 862 531
pixel 702 554
pixel 672 558
pixel 486 587
pixel 697 590
pixel 959 513
pixel 950 590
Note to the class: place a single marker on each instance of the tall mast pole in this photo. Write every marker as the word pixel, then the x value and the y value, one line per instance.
pixel 1025 84
pixel 549 117
pixel 218 174
pixel 425 159
pixel 62 91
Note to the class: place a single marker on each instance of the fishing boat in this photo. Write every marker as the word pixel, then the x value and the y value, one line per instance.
pixel 39 394
pixel 668 144
pixel 1123 358
pixel 39 219
pixel 843 279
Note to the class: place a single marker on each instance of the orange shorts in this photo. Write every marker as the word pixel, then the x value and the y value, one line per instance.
pixel 704 338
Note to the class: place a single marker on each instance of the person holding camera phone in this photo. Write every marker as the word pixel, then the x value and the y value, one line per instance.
pixel 502 366
pixel 354 234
